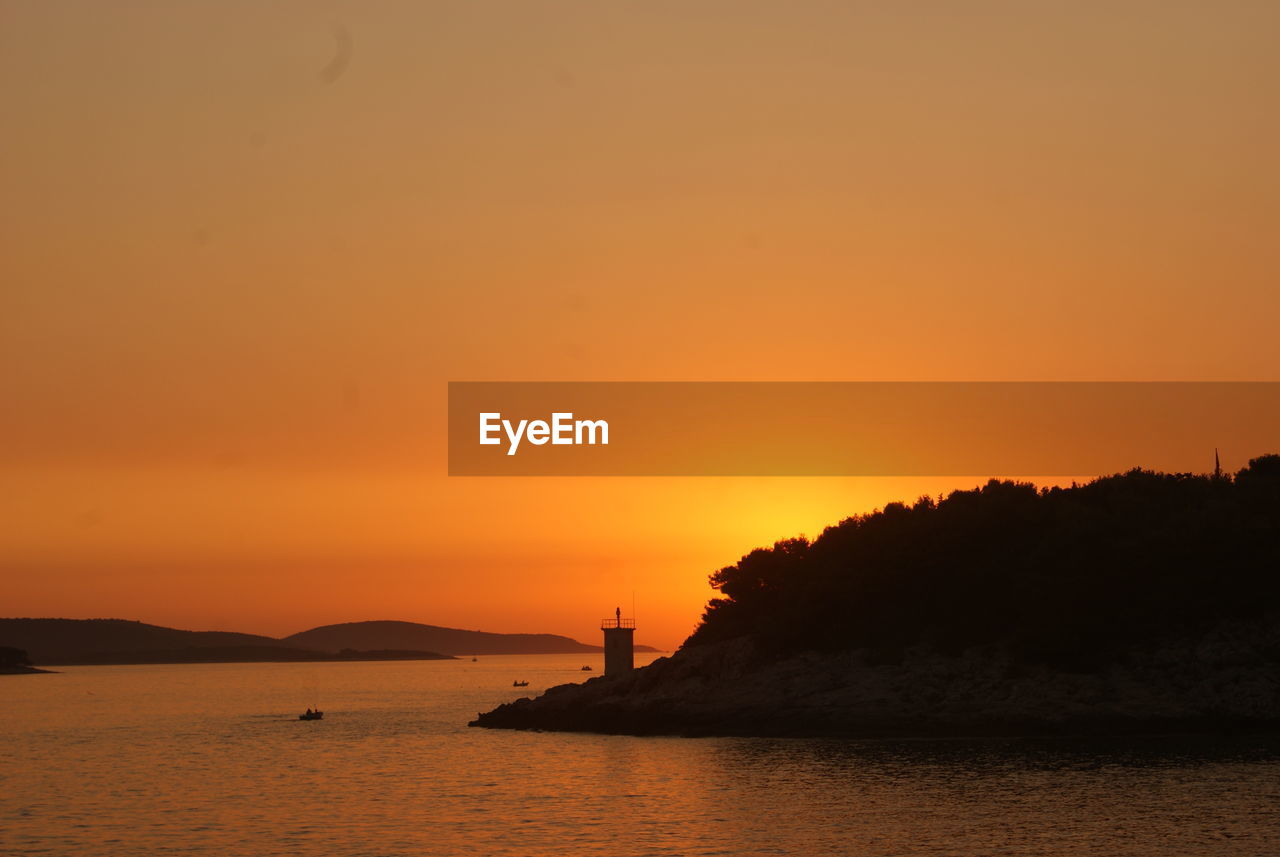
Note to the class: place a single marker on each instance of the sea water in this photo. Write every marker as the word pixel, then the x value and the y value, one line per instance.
pixel 211 760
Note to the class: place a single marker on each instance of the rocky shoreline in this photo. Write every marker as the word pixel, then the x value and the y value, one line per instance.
pixel 1225 681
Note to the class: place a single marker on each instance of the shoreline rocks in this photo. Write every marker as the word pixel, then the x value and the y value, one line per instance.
pixel 1226 681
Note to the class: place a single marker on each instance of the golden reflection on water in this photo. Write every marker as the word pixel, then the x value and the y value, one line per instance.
pixel 210 759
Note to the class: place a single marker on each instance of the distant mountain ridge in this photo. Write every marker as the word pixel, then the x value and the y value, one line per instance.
pixel 452 641
pixel 123 641
pixel 62 641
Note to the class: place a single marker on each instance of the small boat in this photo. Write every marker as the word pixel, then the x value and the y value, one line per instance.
pixel 312 715
pixel 474 658
pixel 586 668
pixel 519 684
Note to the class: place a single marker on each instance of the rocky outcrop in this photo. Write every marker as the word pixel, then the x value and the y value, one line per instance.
pixel 1227 680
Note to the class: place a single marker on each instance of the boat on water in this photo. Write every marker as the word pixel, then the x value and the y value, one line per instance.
pixel 586 668
pixel 519 684
pixel 312 715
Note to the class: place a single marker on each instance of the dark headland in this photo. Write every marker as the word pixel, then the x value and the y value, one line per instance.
pixel 1141 602
pixel 16 662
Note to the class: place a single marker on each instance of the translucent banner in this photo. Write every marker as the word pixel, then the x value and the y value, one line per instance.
pixel 855 428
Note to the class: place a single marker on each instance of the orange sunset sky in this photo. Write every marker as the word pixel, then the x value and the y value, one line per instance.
pixel 244 246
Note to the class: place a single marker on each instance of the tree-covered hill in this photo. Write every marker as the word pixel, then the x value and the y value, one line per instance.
pixel 1068 577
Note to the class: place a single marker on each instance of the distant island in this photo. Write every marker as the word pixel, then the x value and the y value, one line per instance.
pixel 1137 602
pixel 121 641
